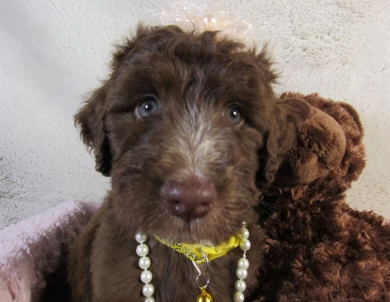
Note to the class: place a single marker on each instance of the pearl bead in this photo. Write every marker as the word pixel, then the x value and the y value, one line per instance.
pixel 140 237
pixel 146 276
pixel 244 233
pixel 240 285
pixel 150 299
pixel 245 244
pixel 243 263
pixel 144 262
pixel 241 273
pixel 142 250
pixel 238 297
pixel 148 290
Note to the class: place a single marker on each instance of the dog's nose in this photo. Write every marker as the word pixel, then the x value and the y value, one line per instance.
pixel 189 199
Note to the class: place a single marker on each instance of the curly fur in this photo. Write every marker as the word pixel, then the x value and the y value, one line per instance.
pixel 195 77
pixel 317 247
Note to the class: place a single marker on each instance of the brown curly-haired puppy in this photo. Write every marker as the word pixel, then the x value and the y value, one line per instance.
pixel 317 247
pixel 183 125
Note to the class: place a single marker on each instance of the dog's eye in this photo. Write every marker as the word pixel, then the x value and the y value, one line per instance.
pixel 234 114
pixel 147 107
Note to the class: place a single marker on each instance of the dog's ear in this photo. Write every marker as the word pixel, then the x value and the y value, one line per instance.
pixel 91 117
pixel 91 120
pixel 279 129
pixel 278 139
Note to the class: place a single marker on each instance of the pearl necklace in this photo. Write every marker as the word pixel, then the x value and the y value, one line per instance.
pixel 241 272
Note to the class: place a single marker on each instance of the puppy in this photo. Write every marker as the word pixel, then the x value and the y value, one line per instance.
pixel 189 130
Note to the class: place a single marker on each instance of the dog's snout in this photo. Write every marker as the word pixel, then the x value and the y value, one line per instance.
pixel 189 199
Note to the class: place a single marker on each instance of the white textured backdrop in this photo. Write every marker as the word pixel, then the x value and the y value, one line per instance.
pixel 53 51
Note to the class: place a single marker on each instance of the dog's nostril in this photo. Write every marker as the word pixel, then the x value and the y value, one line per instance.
pixel 189 199
pixel 202 209
pixel 176 207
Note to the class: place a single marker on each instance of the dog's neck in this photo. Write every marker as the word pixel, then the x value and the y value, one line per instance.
pixel 172 270
pixel 204 251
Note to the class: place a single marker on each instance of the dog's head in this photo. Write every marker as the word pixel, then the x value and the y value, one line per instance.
pixel 189 129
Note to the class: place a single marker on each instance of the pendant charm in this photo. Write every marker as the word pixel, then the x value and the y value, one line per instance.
pixel 204 296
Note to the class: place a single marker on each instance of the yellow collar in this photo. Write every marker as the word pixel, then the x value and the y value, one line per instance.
pixel 193 251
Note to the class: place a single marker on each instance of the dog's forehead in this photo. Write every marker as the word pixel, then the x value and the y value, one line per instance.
pixel 163 73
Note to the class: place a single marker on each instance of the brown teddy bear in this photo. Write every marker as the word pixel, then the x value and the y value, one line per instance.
pixel 317 247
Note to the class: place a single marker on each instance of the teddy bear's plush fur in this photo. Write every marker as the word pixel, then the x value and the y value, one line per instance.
pixel 317 247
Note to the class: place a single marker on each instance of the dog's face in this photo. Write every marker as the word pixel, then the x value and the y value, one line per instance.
pixel 183 126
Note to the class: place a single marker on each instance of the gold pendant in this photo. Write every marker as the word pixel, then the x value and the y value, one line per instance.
pixel 204 296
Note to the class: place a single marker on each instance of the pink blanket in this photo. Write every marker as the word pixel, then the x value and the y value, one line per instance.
pixel 31 249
